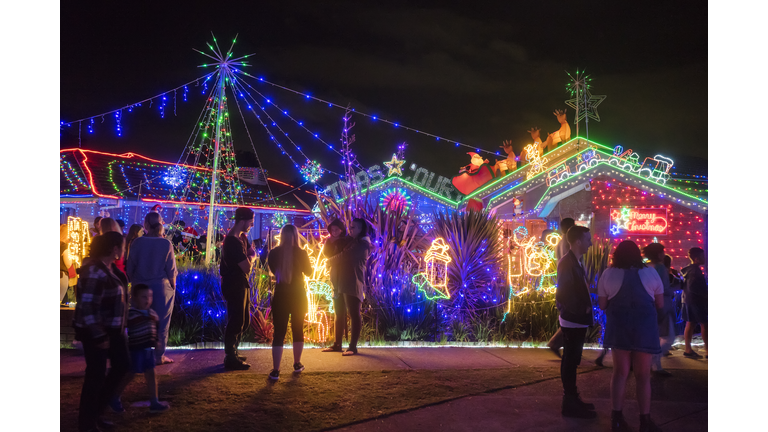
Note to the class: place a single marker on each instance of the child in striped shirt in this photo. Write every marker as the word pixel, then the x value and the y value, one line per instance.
pixel 142 338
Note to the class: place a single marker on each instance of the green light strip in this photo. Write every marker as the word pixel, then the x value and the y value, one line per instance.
pixel 413 185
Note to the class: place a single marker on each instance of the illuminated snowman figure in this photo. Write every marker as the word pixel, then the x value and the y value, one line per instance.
pixel 436 270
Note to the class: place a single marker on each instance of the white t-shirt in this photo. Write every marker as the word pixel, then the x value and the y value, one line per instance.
pixel 611 279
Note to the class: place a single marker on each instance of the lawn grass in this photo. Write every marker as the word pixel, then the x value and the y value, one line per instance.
pixel 310 401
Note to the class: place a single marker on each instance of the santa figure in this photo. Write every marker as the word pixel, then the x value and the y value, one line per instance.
pixel 475 164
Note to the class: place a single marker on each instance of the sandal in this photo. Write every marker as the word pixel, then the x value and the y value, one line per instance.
pixel 349 352
pixel 334 348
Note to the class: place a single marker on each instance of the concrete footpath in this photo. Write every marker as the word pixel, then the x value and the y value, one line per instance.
pixel 679 403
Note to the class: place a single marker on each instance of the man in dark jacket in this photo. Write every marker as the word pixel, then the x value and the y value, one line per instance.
pixel 333 246
pixel 575 306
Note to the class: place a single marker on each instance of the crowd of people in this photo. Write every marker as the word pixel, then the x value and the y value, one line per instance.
pixel 638 301
pixel 131 331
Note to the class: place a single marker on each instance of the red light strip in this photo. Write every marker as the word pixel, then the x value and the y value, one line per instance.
pixel 189 203
pixel 130 155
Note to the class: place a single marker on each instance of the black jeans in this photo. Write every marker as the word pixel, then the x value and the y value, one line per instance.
pixel 573 345
pixel 343 304
pixel 99 386
pixel 238 302
pixel 288 300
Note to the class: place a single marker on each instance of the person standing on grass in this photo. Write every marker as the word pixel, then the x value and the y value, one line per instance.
pixel 350 292
pixel 151 261
pixel 237 257
pixel 335 244
pixel 288 262
pixel 562 248
pixel 695 300
pixel 142 339
pixel 630 294
pixel 100 318
pixel 575 307
pixel 666 315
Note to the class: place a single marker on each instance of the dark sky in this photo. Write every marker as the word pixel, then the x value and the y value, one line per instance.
pixel 475 74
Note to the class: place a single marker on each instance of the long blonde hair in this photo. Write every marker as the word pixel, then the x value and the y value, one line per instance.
pixel 289 243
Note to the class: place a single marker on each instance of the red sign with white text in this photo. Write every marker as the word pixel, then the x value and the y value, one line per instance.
pixel 639 221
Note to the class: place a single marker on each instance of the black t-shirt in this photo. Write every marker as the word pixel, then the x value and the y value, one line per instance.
pixel 233 252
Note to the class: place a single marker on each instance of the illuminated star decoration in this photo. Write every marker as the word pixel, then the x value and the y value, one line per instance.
pixel 312 171
pixel 583 101
pixel 395 166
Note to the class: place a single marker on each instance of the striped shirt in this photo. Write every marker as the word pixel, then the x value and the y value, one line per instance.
pixel 142 329
pixel 101 297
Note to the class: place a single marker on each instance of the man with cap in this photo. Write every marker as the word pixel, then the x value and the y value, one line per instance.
pixel 237 258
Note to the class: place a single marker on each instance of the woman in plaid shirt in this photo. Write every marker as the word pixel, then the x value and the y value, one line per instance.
pixel 100 318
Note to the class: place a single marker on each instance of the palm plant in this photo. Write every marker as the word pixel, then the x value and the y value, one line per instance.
pixel 475 252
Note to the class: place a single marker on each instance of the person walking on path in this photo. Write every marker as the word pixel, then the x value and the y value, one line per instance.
pixel 142 339
pixel 562 248
pixel 695 300
pixel 336 243
pixel 666 315
pixel 151 261
pixel 350 292
pixel 237 257
pixel 575 307
pixel 288 262
pixel 100 318
pixel 630 294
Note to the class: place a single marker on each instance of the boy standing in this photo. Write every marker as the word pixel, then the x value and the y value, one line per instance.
pixel 142 339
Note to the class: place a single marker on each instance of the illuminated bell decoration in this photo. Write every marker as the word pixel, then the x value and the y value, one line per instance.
pixel 312 171
pixel 396 200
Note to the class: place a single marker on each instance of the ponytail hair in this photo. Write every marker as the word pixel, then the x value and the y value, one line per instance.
pixel 153 223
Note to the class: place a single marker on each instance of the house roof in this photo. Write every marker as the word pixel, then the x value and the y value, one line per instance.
pixel 130 176
pixel 550 186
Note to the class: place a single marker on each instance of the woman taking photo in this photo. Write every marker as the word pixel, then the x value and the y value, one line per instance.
pixel 100 317
pixel 350 290
pixel 151 261
pixel 287 262
pixel 630 293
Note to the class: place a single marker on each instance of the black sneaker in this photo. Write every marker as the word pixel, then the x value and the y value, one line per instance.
pixel 274 375
pixel 618 424
pixel 232 363
pixel 239 357
pixel 298 367
pixel 692 354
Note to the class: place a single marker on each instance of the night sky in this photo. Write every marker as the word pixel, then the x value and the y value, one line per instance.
pixel 471 74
